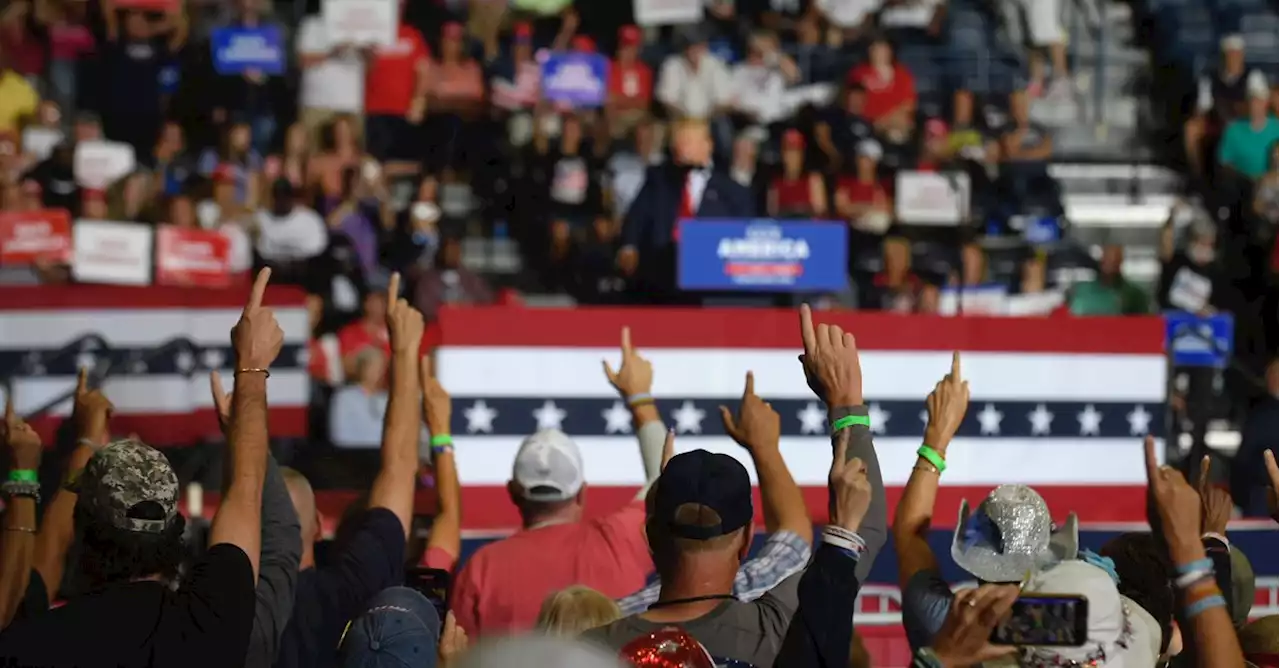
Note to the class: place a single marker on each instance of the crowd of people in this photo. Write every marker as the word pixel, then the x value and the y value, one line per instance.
pixel 113 564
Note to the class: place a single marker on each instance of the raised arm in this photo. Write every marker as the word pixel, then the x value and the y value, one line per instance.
pixel 91 415
pixel 1204 608
pixel 281 551
pixel 256 341
pixel 446 530
pixel 946 407
pixel 834 373
pixel 758 429
pixel 634 383
pixel 21 489
pixel 393 488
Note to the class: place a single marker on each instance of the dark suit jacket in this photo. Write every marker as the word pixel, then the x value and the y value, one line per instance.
pixel 651 220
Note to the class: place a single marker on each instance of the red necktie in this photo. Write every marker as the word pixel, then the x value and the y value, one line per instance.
pixel 686 205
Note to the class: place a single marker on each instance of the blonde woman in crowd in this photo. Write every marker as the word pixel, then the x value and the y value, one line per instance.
pixel 575 609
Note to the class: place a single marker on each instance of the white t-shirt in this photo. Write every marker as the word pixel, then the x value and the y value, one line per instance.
pixel 300 235
pixel 847 13
pixel 757 90
pixel 695 92
pixel 337 83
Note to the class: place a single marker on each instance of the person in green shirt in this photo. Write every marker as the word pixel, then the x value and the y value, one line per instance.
pixel 1110 293
pixel 1246 143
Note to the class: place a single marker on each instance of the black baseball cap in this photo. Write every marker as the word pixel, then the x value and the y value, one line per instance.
pixel 709 479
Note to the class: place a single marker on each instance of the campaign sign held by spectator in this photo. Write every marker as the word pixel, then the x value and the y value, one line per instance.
pixel 239 50
pixel 763 255
pixel 577 79
pixel 665 12
pixel 111 252
pixel 932 198
pixel 187 257
pixel 1199 340
pixel 362 22
pixel 27 237
pixel 97 164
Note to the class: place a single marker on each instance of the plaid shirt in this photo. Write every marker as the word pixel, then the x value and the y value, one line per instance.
pixel 783 553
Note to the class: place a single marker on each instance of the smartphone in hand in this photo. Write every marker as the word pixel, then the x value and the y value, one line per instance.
pixel 1045 619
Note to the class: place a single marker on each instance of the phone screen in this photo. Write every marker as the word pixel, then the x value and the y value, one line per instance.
pixel 432 583
pixel 1045 620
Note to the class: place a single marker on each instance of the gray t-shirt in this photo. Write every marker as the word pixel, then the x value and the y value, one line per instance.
pixel 743 634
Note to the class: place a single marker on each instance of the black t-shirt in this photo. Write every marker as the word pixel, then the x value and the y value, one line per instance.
pixel 336 277
pixel 847 130
pixel 57 183
pixel 133 71
pixel 206 622
pixel 1187 286
pixel 330 596
pixel 571 183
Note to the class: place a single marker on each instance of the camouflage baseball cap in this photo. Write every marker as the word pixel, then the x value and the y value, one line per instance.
pixel 123 475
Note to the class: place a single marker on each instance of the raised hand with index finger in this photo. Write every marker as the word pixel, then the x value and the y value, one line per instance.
pixel 830 361
pixel 1175 501
pixel 19 438
pixel 404 322
pixel 90 411
pixel 946 406
pixel 757 424
pixel 635 377
pixel 257 337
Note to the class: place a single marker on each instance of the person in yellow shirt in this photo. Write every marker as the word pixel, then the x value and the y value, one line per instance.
pixel 17 98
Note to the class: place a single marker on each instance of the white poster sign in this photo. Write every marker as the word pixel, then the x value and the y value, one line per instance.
pixel 362 22
pixel 667 12
pixel 932 198
pixel 40 142
pixel 98 164
pixel 111 252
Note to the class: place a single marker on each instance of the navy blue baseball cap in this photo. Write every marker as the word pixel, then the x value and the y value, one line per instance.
pixel 400 628
pixel 717 481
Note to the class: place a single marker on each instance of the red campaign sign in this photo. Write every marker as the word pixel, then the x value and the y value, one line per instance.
pixel 148 5
pixel 199 258
pixel 29 236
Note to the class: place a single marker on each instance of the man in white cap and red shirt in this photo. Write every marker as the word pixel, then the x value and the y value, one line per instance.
pixel 501 587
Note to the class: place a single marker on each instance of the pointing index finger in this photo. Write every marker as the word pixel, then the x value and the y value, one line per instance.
pixel 626 340
pixel 955 366
pixel 751 385
pixel 8 405
pixel 393 289
pixel 1153 464
pixel 806 328
pixel 259 289
pixel 1203 482
pixel 82 381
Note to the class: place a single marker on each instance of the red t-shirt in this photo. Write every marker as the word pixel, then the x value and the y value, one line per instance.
pixel 631 85
pixel 393 74
pixel 501 587
pixel 857 191
pixel 792 195
pixel 884 94
pixel 355 336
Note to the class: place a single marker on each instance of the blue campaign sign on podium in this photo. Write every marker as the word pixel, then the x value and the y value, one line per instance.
pixel 1199 340
pixel 763 255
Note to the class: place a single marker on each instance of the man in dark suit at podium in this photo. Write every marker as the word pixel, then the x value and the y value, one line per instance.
pixel 687 187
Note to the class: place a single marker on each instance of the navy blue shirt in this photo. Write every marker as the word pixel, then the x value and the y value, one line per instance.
pixel 133 71
pixel 330 596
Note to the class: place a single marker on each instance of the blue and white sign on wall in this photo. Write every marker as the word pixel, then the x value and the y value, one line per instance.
pixel 239 50
pixel 577 79
pixel 763 255
pixel 1196 340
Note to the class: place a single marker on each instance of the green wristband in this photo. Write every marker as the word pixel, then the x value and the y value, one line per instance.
pixel 848 421
pixel 933 457
pixel 441 440
pixel 24 475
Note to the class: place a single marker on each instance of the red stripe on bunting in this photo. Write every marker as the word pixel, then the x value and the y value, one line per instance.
pixel 779 328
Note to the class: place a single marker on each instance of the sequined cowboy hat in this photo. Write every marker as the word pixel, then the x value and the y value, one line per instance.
pixel 1010 536
pixel 1121 634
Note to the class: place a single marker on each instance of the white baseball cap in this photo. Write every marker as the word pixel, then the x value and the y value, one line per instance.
pixel 548 467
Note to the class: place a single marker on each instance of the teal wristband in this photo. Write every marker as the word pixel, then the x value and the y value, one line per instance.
pixel 848 421
pixel 932 456
pixel 441 440
pixel 1204 604
pixel 24 475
